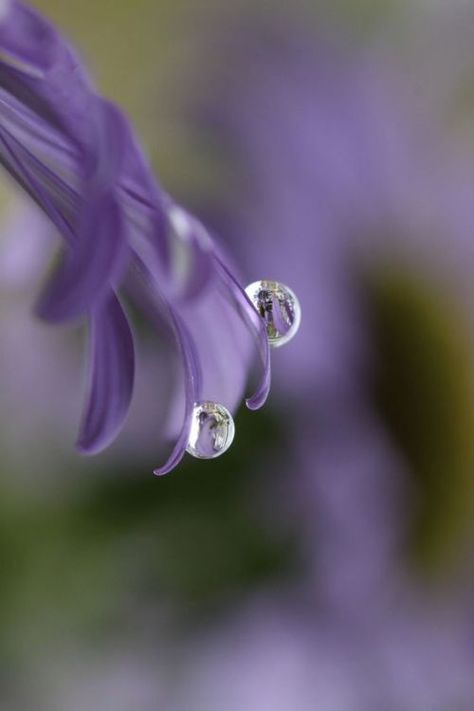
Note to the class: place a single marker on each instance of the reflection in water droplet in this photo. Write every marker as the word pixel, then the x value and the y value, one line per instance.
pixel 279 308
pixel 212 431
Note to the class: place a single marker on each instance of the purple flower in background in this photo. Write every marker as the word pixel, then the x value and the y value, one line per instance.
pixel 75 155
pixel 38 364
pixel 346 179
pixel 340 167
pixel 277 653
pixel 348 184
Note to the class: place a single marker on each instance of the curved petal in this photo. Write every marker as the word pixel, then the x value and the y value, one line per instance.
pixel 141 186
pixel 201 271
pixel 38 136
pixel 192 389
pixel 103 167
pixel 191 253
pixel 97 258
pixel 86 272
pixel 47 190
pixel 40 70
pixel 27 42
pixel 256 324
pixel 112 370
pixel 146 293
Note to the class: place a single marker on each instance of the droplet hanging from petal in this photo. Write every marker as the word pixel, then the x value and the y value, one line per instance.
pixel 212 430
pixel 279 308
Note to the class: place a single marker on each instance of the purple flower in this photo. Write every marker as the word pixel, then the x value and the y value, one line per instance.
pixel 74 153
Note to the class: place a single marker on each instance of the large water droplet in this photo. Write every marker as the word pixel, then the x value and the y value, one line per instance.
pixel 212 430
pixel 278 307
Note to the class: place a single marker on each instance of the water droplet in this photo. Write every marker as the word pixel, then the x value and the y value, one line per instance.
pixel 279 308
pixel 212 430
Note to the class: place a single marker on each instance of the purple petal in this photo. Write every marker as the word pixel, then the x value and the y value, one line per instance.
pixel 35 133
pixel 27 42
pixel 140 184
pixel 191 252
pixel 144 287
pixel 99 255
pixel 224 341
pixel 192 388
pixel 201 271
pixel 89 269
pixel 257 325
pixel 44 187
pixel 39 70
pixel 103 167
pixel 111 377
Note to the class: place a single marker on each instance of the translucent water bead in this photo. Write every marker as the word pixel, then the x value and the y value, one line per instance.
pixel 212 430
pixel 278 307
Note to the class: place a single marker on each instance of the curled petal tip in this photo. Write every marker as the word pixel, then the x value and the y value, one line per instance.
pixel 162 471
pixel 174 459
pixel 258 400
pixel 88 449
pixel 254 404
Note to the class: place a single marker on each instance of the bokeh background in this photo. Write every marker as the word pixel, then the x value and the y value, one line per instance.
pixel 325 563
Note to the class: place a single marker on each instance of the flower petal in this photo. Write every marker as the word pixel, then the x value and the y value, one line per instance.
pixel 98 256
pixel 88 270
pixel 104 166
pixel 256 324
pixel 27 42
pixel 48 191
pixel 112 373
pixel 191 253
pixel 158 308
pixel 40 71
pixel 192 380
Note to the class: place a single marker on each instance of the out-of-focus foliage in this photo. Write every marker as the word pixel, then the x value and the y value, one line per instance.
pixel 424 386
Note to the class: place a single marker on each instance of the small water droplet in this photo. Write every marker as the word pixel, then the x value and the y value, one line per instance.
pixel 279 308
pixel 212 430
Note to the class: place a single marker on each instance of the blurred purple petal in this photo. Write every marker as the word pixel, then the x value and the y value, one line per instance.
pixel 28 44
pixel 36 179
pixel 112 370
pixel 104 167
pixel 46 76
pixel 81 281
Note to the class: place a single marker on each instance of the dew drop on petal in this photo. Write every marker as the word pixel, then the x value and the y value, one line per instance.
pixel 212 430
pixel 278 307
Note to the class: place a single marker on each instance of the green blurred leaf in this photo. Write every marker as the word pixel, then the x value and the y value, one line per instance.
pixel 424 389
